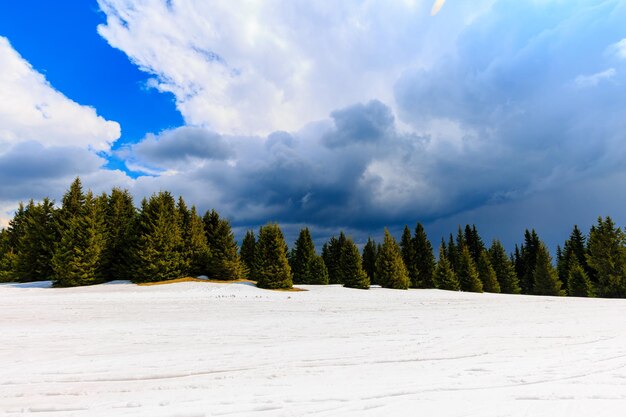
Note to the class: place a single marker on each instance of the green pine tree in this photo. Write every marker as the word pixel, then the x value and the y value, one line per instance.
pixel 332 254
pixel 301 257
pixel 159 254
pixel 390 269
pixel 487 274
pixel 445 278
pixel 246 252
pixel 272 267
pixel 504 269
pixel 35 245
pixel 7 258
pixel 607 258
pixel 466 272
pixel 579 283
pixel 224 263
pixel 370 252
pixel 409 256
pixel 78 259
pixel 546 280
pixel 425 259
pixel 196 252
pixel 121 228
pixel 318 274
pixel 354 275
pixel 528 258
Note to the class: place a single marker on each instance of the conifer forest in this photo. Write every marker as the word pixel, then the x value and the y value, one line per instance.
pixel 90 239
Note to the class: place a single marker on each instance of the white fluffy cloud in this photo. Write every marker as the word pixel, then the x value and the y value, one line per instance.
pixel 246 67
pixel 32 110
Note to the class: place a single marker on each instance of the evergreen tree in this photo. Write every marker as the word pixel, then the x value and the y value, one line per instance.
pixel 7 258
pixel 318 274
pixel 546 281
pixel 224 263
pixel 452 253
pixel 272 267
pixel 487 274
pixel 121 231
pixel 77 258
pixel 445 277
pixel 196 252
pixel 579 283
pixel 370 252
pixel 354 275
pixel 332 254
pixel 474 242
pixel 607 258
pixel 467 274
pixel 301 257
pixel 390 269
pixel 529 253
pixel 35 245
pixel 425 260
pixel 246 252
pixel 160 245
pixel 409 256
pixel 504 269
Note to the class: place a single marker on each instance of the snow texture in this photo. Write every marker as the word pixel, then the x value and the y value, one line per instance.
pixel 205 349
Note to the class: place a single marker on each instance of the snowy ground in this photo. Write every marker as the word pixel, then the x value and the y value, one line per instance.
pixel 198 349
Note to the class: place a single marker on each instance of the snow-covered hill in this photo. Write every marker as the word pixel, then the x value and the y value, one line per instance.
pixel 202 349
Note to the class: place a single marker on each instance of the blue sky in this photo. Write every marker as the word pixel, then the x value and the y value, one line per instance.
pixel 356 115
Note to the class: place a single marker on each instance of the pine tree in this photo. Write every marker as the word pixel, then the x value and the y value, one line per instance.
pixel 487 274
pixel 196 252
pixel 318 274
pixel 467 274
pixel 272 267
pixel 246 252
pixel 579 283
pixel 121 230
pixel 159 254
pixel 370 252
pixel 504 269
pixel 224 263
pixel 332 254
pixel 35 245
pixel 607 258
pixel 546 281
pixel 7 258
pixel 445 278
pixel 409 256
pixel 390 269
pixel 354 275
pixel 425 260
pixel 301 256
pixel 452 253
pixel 474 242
pixel 528 256
pixel 77 259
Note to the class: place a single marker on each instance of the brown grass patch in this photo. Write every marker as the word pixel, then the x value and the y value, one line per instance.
pixel 192 279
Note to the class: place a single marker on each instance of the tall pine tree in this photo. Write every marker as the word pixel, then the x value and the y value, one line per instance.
pixel 246 252
pixel 409 256
pixel 390 269
pixel 370 252
pixel 546 280
pixel 425 260
pixel 504 269
pixel 224 263
pixel 445 277
pixel 272 269
pixel 121 230
pixel 466 272
pixel 301 257
pixel 579 284
pixel 354 275
pixel 607 258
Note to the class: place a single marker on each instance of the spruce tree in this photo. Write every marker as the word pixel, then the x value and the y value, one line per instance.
pixel 246 252
pixel 121 231
pixel 425 260
pixel 301 257
pixel 159 254
pixel 332 253
pixel 546 280
pixel 529 252
pixel 78 257
pixel 318 274
pixel 579 283
pixel 353 273
pixel 452 253
pixel 487 274
pixel 272 267
pixel 474 242
pixel 445 278
pixel 370 252
pixel 504 269
pixel 466 272
pixel 7 258
pixel 36 241
pixel 224 263
pixel 607 258
pixel 390 269
pixel 409 256
pixel 196 252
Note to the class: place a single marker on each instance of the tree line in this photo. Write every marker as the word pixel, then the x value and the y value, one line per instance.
pixel 91 239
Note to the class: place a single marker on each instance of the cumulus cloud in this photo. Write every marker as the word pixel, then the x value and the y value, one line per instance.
pixel 32 110
pixel 256 67
pixel 593 80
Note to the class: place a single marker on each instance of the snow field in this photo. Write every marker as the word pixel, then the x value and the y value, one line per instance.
pixel 204 349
